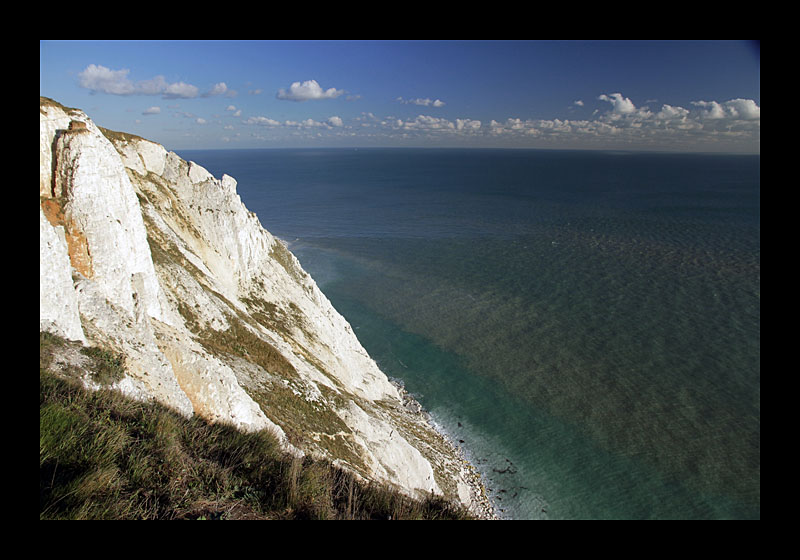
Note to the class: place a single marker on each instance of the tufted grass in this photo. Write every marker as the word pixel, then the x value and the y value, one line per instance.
pixel 105 456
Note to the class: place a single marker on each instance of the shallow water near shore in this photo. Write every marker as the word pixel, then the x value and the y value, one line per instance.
pixel 586 325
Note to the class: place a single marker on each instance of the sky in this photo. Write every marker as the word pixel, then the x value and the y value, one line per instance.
pixel 686 96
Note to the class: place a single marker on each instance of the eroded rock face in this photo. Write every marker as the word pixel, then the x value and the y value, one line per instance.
pixel 101 207
pixel 153 257
pixel 58 304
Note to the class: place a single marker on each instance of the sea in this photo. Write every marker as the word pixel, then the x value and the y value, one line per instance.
pixel 584 324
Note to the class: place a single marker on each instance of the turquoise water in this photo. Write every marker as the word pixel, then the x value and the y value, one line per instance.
pixel 587 324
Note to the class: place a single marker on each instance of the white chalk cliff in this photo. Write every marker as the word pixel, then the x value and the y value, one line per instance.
pixel 151 256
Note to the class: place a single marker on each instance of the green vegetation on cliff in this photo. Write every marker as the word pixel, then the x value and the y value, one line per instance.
pixel 105 456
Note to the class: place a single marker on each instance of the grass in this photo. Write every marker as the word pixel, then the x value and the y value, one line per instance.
pixel 47 102
pixel 115 136
pixel 283 256
pixel 240 341
pixel 108 366
pixel 105 456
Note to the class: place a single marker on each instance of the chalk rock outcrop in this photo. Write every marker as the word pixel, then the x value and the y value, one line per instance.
pixel 151 256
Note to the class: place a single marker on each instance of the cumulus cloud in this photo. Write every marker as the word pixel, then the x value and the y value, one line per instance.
pixel 306 123
pixel 426 102
pixel 468 124
pixel 262 121
pixel 701 125
pixel 332 122
pixel 425 122
pixel 100 79
pixel 218 89
pixel 180 90
pixel 706 125
pixel 745 109
pixel 621 105
pixel 669 113
pixel 531 127
pixel 710 109
pixel 152 111
pixel 428 125
pixel 307 90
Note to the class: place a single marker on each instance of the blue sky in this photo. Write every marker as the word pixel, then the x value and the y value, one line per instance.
pixel 701 96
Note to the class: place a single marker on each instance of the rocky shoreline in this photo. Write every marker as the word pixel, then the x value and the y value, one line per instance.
pixel 480 504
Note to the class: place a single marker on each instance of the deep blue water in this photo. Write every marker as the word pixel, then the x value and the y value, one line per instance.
pixel 587 323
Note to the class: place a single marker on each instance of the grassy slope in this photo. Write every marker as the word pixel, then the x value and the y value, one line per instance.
pixel 104 456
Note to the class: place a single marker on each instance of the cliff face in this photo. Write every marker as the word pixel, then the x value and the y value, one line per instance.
pixel 151 256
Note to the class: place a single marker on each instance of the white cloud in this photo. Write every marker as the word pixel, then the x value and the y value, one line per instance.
pixel 332 122
pixel 703 125
pixel 468 124
pixel 98 78
pixel 579 103
pixel 426 102
pixel 153 86
pixel 710 125
pixel 621 105
pixel 532 127
pixel 180 90
pixel 496 128
pixel 710 109
pixel 262 121
pixel 426 122
pixel 152 111
pixel 218 89
pixel 735 109
pixel 307 123
pixel 744 109
pixel 308 90
pixel 669 113
pixel 429 125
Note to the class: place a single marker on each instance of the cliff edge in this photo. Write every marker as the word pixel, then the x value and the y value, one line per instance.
pixel 148 255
